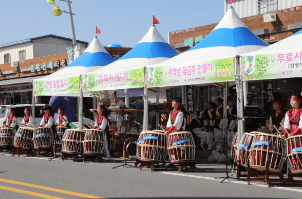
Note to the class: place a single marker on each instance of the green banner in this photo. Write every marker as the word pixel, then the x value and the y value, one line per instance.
pixel 210 71
pixel 67 85
pixel 132 78
pixel 271 66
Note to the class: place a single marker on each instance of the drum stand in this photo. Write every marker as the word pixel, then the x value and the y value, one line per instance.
pixel 225 143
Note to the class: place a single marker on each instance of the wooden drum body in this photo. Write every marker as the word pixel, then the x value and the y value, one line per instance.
pixel 181 147
pixel 60 132
pixel 294 153
pixel 6 137
pixel 93 142
pixel 244 149
pixel 72 141
pixel 24 138
pixel 43 138
pixel 267 150
pixel 234 146
pixel 151 146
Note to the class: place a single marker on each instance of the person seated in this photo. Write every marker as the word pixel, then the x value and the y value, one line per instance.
pixel 198 129
pixel 250 100
pixel 176 121
pixel 27 119
pixel 11 120
pixel 231 114
pixel 276 118
pixel 102 123
pixel 47 120
pixel 62 119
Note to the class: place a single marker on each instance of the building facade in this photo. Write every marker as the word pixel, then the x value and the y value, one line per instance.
pixel 43 56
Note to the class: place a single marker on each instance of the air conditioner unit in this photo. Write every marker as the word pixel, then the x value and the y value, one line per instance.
pixel 269 17
pixel 15 64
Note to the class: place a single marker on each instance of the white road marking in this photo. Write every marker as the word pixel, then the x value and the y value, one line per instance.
pixel 237 182
pixel 38 158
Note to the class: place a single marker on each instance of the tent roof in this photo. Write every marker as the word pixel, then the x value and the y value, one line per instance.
pixel 231 37
pixel 114 45
pixel 290 43
pixel 152 49
pixel 94 57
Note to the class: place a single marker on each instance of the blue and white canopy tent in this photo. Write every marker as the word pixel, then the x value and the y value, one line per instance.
pixel 279 60
pixel 213 60
pixel 66 81
pixel 128 71
pixel 114 45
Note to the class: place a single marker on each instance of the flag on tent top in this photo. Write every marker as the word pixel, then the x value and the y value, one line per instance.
pixel 155 21
pixel 231 1
pixel 97 31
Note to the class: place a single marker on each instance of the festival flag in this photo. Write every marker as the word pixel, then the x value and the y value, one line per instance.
pixel 97 31
pixel 155 21
pixel 231 1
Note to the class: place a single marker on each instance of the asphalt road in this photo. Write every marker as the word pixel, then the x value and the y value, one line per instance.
pixel 31 177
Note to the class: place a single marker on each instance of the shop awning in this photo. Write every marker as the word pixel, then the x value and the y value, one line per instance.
pixel 19 80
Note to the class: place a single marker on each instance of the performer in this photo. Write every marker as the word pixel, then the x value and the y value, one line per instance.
pixel 47 120
pixel 198 129
pixel 11 120
pixel 293 117
pixel 231 114
pixel 62 119
pixel 209 116
pixel 276 118
pixel 102 123
pixel 176 121
pixel 218 118
pixel 27 120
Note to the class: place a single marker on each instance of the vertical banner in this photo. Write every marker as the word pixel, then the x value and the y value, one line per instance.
pixel 76 51
pixel 190 98
pixel 70 54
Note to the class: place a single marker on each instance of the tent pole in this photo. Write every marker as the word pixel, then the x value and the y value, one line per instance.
pixel 126 91
pixel 225 102
pixel 33 104
pixel 81 107
pixel 145 124
pixel 157 103
pixel 239 97
pixel 245 91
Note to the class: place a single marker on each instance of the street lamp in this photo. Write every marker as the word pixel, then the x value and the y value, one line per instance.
pixel 58 12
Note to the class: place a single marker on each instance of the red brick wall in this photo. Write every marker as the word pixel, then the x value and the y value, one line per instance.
pixel 278 30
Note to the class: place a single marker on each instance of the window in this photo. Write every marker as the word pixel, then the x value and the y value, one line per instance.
pixel 22 55
pixel 7 58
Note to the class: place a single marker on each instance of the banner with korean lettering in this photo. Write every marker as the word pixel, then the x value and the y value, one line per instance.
pixel 272 66
pixel 61 86
pixel 209 71
pixel 132 78
pixel 190 98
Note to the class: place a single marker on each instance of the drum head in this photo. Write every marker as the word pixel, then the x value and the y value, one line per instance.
pixel 131 149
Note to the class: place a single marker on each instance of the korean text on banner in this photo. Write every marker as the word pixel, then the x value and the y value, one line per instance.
pixel 271 66
pixel 217 70
pixel 68 85
pixel 132 78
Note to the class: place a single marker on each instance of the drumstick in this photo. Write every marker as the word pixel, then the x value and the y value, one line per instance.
pixel 88 125
pixel 162 128
pixel 284 128
pixel 277 130
pixel 263 129
pixel 33 126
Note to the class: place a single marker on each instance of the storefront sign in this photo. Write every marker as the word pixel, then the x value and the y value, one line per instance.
pixel 182 31
pixel 272 66
pixel 50 65
pixel 192 42
pixel 291 9
pixel 200 73
pixel 132 78
pixel 190 98
pixel 62 86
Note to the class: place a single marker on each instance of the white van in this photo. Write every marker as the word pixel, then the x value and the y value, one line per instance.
pixel 4 112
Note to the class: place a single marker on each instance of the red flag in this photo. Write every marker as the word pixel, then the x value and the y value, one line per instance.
pixel 155 21
pixel 97 31
pixel 231 1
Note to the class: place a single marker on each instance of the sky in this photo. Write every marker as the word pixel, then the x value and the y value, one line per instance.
pixel 121 21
